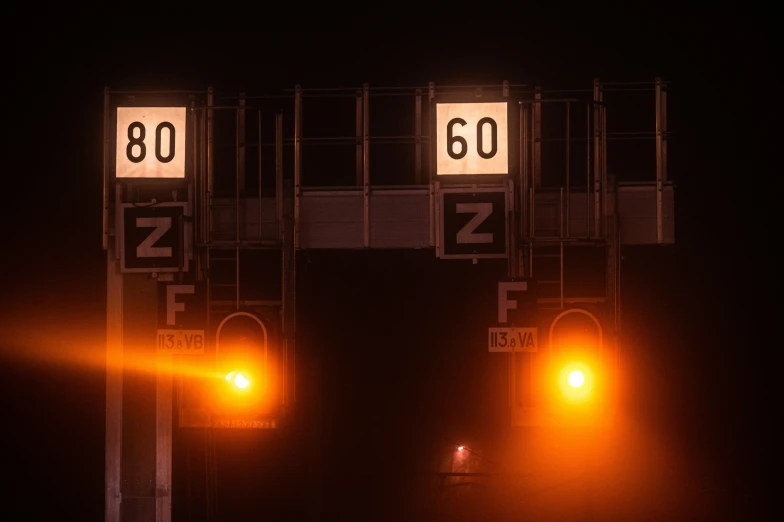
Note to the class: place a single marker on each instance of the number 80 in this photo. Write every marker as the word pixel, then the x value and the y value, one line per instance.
pixel 139 142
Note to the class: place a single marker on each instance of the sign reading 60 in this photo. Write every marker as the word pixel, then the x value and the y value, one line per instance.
pixel 471 138
pixel 451 139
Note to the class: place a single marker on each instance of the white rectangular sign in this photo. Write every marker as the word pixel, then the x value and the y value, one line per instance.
pixel 180 342
pixel 512 339
pixel 472 138
pixel 150 142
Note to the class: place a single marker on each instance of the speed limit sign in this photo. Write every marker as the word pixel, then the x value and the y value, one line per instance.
pixel 150 142
pixel 472 138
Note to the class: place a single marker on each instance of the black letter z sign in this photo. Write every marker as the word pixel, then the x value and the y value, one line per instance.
pixel 153 238
pixel 473 223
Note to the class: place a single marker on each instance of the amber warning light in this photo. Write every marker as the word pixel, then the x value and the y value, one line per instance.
pixel 238 379
pixel 576 382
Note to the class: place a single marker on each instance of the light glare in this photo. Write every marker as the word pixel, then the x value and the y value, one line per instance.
pixel 576 379
pixel 576 382
pixel 238 379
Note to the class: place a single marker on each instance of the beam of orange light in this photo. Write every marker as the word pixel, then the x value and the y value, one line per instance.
pixel 92 355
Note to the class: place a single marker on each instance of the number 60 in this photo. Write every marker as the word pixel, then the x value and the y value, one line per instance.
pixel 451 139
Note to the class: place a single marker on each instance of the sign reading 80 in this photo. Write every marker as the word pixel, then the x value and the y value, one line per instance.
pixel 150 142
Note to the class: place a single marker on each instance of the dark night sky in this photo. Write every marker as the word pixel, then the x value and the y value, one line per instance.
pixel 710 296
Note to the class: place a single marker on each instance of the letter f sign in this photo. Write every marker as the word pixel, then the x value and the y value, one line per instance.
pixel 505 304
pixel 172 306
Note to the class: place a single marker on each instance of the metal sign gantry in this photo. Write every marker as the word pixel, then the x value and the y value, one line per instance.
pixel 496 171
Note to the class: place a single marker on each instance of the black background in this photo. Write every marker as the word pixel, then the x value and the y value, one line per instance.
pixel 702 314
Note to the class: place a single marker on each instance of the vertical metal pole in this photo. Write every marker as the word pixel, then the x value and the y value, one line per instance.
pixel 214 472
pixel 188 468
pixel 211 474
pixel 597 178
pixel 536 147
pixel 366 161
pixel 561 248
pixel 530 390
pixel 524 169
pixel 431 94
pixel 240 186
pixel 437 214
pixel 195 169
pixel 664 132
pixel 561 276
pixel 118 199
pixel 189 250
pixel 163 446
pixel 531 179
pixel 532 229
pixel 208 494
pixel 241 144
pixel 289 294
pixel 618 259
pixel 512 272
pixel 140 469
pixel 568 161
pixel 418 137
pixel 201 145
pixel 588 170
pixel 659 163
pixel 613 276
pixel 512 383
pixel 511 220
pixel 297 159
pixel 195 187
pixel 560 212
pixel 522 192
pixel 204 202
pixel 261 212
pixel 359 151
pixel 105 210
pixel 603 141
pixel 613 263
pixel 279 195
pixel 530 242
pixel 114 387
pixel 208 199
pixel 210 161
pixel 537 137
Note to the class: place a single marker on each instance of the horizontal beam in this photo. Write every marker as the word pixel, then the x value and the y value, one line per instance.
pixel 244 303
pixel 333 217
